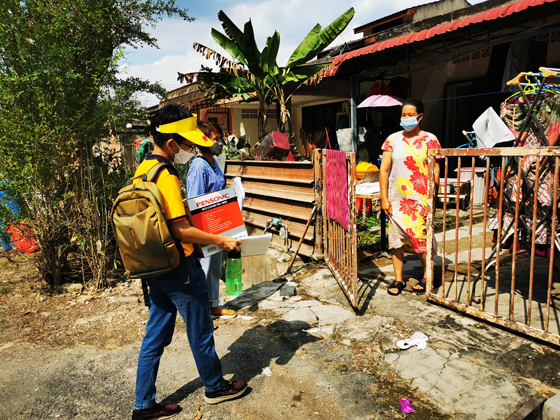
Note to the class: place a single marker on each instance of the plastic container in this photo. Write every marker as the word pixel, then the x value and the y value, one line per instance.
pixel 22 238
pixel 233 273
pixel 274 146
pixel 364 167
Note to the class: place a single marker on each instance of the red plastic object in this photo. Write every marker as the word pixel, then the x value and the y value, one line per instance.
pixel 275 146
pixel 360 204
pixel 380 89
pixel 22 238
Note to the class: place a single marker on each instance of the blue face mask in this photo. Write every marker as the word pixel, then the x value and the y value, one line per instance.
pixel 409 123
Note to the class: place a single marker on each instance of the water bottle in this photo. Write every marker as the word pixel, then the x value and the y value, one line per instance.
pixel 233 273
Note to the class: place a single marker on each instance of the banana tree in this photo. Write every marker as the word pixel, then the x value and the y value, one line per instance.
pixel 260 70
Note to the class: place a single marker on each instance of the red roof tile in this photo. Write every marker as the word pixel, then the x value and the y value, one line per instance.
pixel 492 14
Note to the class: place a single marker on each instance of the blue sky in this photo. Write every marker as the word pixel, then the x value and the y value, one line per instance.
pixel 293 19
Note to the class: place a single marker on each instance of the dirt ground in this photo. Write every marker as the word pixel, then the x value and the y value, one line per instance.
pixel 73 355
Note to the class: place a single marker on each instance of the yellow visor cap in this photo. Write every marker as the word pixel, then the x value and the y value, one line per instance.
pixel 187 128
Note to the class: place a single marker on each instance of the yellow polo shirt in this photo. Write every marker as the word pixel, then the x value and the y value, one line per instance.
pixel 168 184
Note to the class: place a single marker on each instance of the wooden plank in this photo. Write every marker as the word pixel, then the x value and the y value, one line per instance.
pixel 280 163
pixel 300 241
pixel 281 208
pixel 532 408
pixel 318 191
pixel 302 175
pixel 268 189
pixel 295 229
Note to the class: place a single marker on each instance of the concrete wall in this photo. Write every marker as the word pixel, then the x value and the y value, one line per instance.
pixel 250 124
pixel 553 54
pixel 429 84
pixel 438 8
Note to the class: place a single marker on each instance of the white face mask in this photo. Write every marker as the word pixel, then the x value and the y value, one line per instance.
pixel 183 156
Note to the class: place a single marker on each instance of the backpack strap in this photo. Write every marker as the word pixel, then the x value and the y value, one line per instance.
pixel 146 293
pixel 154 170
pixel 157 168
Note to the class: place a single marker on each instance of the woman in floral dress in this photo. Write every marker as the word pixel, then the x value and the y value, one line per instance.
pixel 404 195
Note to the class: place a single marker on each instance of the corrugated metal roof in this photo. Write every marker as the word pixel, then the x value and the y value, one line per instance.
pixel 190 96
pixel 489 15
pixel 188 93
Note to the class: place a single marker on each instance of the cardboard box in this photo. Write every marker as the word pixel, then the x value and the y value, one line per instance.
pixel 217 213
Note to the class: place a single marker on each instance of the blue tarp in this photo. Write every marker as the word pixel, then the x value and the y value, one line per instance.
pixel 12 205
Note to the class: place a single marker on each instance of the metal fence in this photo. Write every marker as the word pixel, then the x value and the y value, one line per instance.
pixel 499 267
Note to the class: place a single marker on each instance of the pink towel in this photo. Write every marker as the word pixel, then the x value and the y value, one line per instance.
pixel 337 187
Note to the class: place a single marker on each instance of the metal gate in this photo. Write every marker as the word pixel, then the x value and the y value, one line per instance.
pixel 337 181
pixel 480 274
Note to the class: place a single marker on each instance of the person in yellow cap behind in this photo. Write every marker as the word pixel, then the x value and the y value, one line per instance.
pixel 183 289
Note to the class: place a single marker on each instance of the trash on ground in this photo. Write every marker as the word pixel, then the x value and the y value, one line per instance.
pixel 406 407
pixel 417 339
pixel 246 317
pixel 311 331
pixel 266 371
pixel 198 414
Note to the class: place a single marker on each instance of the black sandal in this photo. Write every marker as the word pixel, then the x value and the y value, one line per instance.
pixel 399 285
pixel 422 284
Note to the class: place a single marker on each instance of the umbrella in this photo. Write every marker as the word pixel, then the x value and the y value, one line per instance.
pixel 381 101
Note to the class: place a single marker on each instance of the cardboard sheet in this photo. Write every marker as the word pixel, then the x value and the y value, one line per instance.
pixel 491 130
pixel 255 245
pixel 370 188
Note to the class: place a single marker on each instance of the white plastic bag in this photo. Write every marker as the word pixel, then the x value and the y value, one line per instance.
pixel 239 191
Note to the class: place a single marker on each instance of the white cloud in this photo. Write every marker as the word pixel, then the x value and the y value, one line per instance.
pixel 163 71
pixel 176 54
pixel 293 21
pixel 292 18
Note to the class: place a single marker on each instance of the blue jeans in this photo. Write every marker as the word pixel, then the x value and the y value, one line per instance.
pixel 169 294
pixel 212 267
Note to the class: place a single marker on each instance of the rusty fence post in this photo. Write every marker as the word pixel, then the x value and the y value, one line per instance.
pixel 318 252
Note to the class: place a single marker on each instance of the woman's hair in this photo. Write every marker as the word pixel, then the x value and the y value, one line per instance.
pixel 210 127
pixel 417 103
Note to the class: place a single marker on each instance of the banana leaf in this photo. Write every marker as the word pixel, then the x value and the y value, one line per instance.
pixel 300 74
pixel 317 40
pixel 225 85
pixel 236 82
pixel 269 54
pixel 245 41
pixel 229 45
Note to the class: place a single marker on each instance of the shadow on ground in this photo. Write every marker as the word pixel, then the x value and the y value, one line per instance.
pixel 257 347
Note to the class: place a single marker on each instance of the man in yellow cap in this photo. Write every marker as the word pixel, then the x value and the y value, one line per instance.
pixel 183 289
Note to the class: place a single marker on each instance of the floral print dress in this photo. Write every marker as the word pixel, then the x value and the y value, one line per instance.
pixel 408 188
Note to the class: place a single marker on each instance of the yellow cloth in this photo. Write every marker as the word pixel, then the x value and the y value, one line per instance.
pixel 168 185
